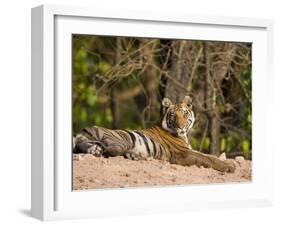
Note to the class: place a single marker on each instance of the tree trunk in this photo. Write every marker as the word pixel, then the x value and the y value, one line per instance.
pixel 115 111
pixel 210 95
pixel 177 76
pixel 149 80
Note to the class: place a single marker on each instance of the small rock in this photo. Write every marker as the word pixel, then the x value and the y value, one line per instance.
pixel 77 157
pixel 222 157
pixel 96 181
pixel 173 167
pixel 105 161
pixel 239 159
pixel 91 180
pixel 127 175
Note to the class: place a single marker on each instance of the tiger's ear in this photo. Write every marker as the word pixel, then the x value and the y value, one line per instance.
pixel 188 101
pixel 166 102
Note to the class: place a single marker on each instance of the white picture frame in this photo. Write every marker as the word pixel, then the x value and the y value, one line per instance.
pixel 52 197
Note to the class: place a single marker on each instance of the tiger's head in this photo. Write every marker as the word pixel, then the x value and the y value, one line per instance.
pixel 178 118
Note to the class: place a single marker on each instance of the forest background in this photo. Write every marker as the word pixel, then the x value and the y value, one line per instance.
pixel 119 82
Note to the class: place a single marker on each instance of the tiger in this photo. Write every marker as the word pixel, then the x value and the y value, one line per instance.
pixel 168 140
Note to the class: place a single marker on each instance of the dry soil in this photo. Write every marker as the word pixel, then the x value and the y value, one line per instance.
pixel 90 172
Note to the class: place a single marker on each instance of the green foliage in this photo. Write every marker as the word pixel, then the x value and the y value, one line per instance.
pixel 206 143
pixel 246 148
pixel 195 143
pixel 103 67
pixel 223 145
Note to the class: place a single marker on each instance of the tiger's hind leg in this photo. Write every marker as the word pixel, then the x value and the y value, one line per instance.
pixel 88 147
pixel 81 144
pixel 97 148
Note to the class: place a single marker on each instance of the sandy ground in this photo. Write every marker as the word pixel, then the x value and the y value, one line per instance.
pixel 91 172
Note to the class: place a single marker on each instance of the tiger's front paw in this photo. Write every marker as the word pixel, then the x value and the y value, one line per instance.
pixel 95 150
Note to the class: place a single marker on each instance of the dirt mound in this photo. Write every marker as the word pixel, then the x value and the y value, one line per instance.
pixel 90 172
